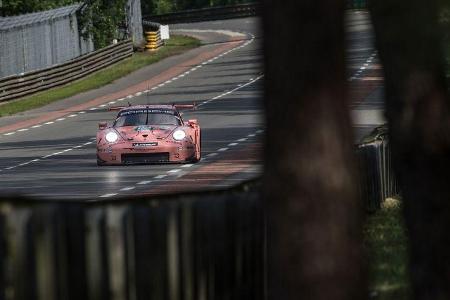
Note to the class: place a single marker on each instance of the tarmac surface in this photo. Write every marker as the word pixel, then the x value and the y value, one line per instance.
pixel 50 152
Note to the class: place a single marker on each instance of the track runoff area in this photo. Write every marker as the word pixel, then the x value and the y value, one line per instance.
pixel 50 153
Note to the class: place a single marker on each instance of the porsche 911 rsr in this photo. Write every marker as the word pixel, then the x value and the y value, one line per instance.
pixel 148 134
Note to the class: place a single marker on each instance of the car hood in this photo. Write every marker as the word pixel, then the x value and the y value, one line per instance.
pixel 145 132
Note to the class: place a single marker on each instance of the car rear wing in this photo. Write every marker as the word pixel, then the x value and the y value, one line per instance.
pixel 114 108
pixel 192 106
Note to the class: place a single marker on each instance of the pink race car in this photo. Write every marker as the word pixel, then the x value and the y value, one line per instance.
pixel 148 134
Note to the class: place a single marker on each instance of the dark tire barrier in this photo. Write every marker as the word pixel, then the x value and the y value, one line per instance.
pixel 377 176
pixel 207 14
pixel 203 246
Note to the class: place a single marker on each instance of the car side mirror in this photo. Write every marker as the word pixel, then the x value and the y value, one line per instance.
pixel 193 122
pixel 102 125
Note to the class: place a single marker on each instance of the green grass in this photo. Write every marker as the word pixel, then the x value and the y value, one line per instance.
pixel 176 45
pixel 386 247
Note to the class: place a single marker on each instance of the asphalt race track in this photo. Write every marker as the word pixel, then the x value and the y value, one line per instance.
pixel 50 152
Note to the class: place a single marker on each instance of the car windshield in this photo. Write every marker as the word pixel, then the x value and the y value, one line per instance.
pixel 147 117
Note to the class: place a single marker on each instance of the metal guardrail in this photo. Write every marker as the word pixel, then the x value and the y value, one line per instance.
pixel 17 86
pixel 206 14
pixel 377 176
pixel 200 246
pixel 150 26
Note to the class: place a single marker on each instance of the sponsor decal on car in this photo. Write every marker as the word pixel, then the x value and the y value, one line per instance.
pixel 146 111
pixel 150 128
pixel 150 144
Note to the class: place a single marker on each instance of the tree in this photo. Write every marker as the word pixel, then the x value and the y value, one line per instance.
pixel 418 110
pixel 18 7
pixel 314 216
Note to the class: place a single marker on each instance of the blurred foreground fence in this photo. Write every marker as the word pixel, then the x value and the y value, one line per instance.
pixel 377 176
pixel 22 85
pixel 204 246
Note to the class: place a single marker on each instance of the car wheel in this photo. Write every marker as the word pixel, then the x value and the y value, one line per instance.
pixel 100 162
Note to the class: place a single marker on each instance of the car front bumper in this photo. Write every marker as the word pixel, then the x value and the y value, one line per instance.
pixel 128 153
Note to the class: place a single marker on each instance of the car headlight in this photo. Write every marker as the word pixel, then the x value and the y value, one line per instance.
pixel 179 135
pixel 111 137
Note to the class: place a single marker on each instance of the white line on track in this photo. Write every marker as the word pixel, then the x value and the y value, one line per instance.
pixel 144 182
pixel 232 91
pixel 128 188
pixel 186 166
pixel 108 195
pixel 364 67
pixel 48 156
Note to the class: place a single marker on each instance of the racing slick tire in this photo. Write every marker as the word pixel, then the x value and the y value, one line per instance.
pixel 100 162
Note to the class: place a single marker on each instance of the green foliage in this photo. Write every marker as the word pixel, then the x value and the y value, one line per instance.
pixel 18 7
pixel 102 19
pixel 163 6
pixel 386 245
pixel 99 19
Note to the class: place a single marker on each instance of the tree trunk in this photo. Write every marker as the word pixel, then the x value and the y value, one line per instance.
pixel 314 216
pixel 418 111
